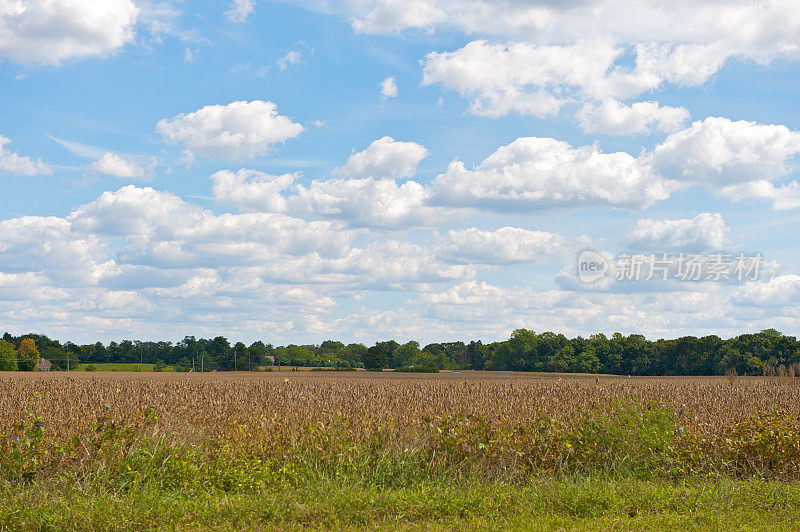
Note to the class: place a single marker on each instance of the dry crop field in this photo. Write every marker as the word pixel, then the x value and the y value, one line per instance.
pixel 286 449
pixel 282 402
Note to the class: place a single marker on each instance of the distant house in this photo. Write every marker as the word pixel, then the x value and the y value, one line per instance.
pixel 270 358
pixel 43 365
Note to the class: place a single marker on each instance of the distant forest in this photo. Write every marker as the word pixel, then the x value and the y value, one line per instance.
pixel 748 354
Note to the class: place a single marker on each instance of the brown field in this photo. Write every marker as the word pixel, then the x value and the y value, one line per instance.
pixel 215 403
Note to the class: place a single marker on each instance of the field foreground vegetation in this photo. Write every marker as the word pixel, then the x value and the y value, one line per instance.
pixel 356 450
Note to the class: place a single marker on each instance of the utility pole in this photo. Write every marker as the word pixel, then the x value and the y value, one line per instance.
pixel 249 367
pixel 202 362
pixel 235 356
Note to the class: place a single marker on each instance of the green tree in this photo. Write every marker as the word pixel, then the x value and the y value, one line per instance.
pixel 220 353
pixel 586 362
pixel 563 359
pixel 731 358
pixel 754 366
pixel 240 353
pixel 183 364
pixel 8 356
pixel 375 358
pixel 159 366
pixel 407 354
pixel 387 348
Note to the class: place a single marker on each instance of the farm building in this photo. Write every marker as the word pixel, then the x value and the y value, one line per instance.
pixel 43 365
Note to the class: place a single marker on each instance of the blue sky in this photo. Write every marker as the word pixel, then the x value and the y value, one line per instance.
pixel 363 170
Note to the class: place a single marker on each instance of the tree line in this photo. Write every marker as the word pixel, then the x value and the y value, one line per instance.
pixel 525 350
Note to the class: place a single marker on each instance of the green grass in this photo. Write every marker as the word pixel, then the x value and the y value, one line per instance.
pixel 580 503
pixel 116 367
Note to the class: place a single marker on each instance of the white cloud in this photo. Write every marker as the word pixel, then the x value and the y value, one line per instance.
pixel 161 228
pixel 587 52
pixel 534 174
pixel 469 293
pixel 144 259
pixel 535 79
pixel 385 157
pixel 239 10
pixel 50 31
pixel 238 130
pixel 291 58
pixel 615 118
pixel 778 291
pixel 477 308
pixel 718 151
pixel 114 165
pixel 507 245
pixel 522 74
pixel 153 231
pixel 782 197
pixel 367 202
pixel 18 164
pixel 251 189
pixel 77 148
pixel 389 87
pixel 383 265
pixel 539 173
pixel 47 245
pixel 761 29
pixel 704 232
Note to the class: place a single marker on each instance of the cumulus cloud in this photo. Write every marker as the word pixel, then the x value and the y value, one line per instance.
pixel 587 53
pixel 367 195
pixel 704 232
pixel 389 87
pixel 163 248
pixel 138 252
pixel 522 74
pixel 473 305
pixel 507 245
pixel 760 29
pixel 719 151
pixel 782 197
pixel 738 160
pixel 50 31
pixel 540 173
pixel 367 202
pixel 117 166
pixel 778 291
pixel 162 228
pixel 534 173
pixel 534 79
pixel 385 265
pixel 364 202
pixel 251 189
pixel 385 157
pixel 239 130
pixel 615 118
pixel 239 10
pixel 47 246
pixel 18 164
